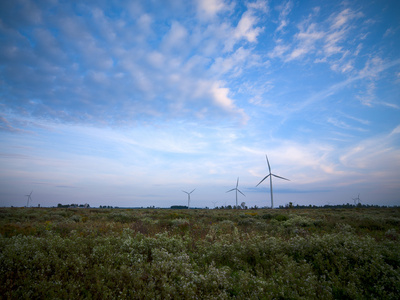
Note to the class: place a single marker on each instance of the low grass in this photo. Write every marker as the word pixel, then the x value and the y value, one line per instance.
pixel 58 253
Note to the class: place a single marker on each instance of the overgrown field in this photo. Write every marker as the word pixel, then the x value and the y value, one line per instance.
pixel 54 253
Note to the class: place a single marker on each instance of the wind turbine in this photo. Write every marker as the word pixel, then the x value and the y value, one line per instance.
pixel 29 198
pixel 188 196
pixel 355 199
pixel 270 181
pixel 237 190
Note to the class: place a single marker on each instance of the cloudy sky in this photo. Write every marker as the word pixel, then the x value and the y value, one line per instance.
pixel 127 103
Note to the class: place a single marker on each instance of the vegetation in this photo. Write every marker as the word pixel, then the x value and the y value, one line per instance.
pixel 199 254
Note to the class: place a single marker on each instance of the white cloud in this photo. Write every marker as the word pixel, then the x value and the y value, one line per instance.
pixel 245 28
pixel 285 9
pixel 307 37
pixel 395 131
pixel 279 50
pixel 233 63
pixel 259 5
pixel 341 19
pixel 376 157
pixel 343 125
pixel 210 8
pixel 176 37
pixel 327 40
pixel 156 59
pixel 220 96
pixel 145 21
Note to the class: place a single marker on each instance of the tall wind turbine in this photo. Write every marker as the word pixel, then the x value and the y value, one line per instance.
pixel 29 198
pixel 270 181
pixel 188 197
pixel 237 190
pixel 356 199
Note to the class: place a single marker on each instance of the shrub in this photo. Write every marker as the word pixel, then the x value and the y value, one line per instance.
pixel 281 218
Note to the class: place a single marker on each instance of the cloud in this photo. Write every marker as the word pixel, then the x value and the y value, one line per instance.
pixel 284 10
pixel 366 75
pixel 372 72
pixel 279 50
pixel 7 126
pixel 343 125
pixel 378 155
pixel 245 28
pixel 326 40
pixel 235 63
pixel 176 37
pixel 307 37
pixel 210 8
pixel 395 131
pixel 86 70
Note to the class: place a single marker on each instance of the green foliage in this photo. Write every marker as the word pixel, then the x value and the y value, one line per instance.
pixel 211 254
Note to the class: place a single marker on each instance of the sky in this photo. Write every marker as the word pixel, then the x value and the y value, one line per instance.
pixel 127 103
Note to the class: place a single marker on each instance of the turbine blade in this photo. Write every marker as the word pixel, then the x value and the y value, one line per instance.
pixel 185 192
pixel 280 177
pixel 269 167
pixel 231 190
pixel 192 191
pixel 263 180
pixel 241 193
pixel 237 182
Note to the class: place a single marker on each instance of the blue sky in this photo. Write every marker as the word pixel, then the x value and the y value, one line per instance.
pixel 127 103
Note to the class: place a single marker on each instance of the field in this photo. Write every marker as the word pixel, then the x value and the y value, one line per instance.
pixel 57 253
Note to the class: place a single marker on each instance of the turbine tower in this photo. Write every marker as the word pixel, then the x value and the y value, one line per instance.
pixel 237 190
pixel 29 198
pixel 188 196
pixel 270 181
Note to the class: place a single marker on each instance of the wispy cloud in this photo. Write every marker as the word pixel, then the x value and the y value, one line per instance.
pixel 284 10
pixel 326 39
pixel 378 156
pixel 210 8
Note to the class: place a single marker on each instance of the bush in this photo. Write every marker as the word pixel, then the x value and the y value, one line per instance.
pixel 281 218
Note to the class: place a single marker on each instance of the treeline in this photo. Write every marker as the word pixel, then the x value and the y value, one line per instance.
pixel 347 205
pixel 255 207
pixel 73 205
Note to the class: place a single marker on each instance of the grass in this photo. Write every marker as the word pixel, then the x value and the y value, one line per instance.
pixel 56 253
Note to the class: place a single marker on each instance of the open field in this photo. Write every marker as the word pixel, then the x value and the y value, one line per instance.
pixel 55 253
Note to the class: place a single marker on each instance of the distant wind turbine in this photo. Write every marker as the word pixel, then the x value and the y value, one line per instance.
pixel 356 199
pixel 270 181
pixel 237 190
pixel 188 196
pixel 29 198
